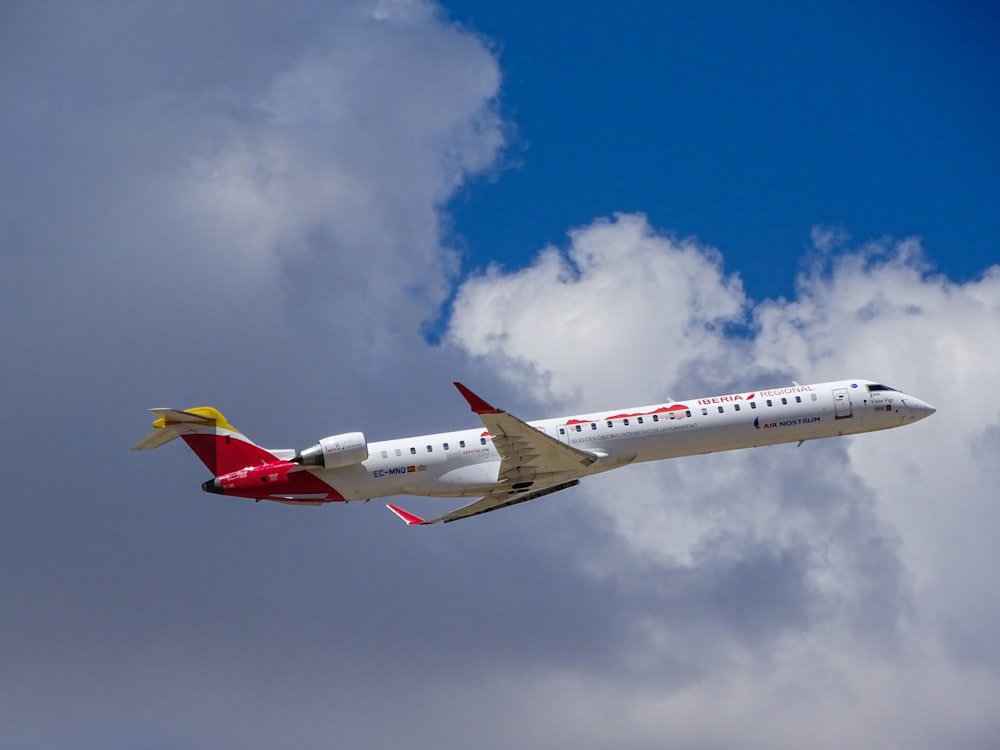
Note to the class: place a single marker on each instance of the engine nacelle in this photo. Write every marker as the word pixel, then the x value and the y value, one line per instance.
pixel 335 451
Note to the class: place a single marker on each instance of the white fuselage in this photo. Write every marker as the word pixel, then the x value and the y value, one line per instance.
pixel 465 463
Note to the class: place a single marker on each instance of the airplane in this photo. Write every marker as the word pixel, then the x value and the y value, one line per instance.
pixel 508 461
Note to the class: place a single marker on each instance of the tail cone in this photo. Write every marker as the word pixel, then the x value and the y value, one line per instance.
pixel 212 485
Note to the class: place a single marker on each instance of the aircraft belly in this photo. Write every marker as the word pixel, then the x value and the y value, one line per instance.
pixel 463 481
pixel 697 437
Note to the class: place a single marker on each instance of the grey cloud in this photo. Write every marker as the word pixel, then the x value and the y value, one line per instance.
pixel 176 232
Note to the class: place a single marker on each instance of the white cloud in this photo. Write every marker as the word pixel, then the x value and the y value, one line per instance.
pixel 621 313
pixel 878 547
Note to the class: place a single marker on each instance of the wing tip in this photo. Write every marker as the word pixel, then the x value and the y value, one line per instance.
pixel 478 405
pixel 408 518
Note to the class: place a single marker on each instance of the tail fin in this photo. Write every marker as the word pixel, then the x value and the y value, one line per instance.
pixel 219 445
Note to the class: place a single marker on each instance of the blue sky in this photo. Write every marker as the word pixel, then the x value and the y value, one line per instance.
pixel 267 207
pixel 745 125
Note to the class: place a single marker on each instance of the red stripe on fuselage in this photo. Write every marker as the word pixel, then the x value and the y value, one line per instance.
pixel 661 410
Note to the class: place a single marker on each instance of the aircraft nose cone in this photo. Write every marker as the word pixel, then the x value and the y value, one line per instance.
pixel 920 409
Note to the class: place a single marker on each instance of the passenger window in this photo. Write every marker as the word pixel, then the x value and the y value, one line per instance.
pixel 704 412
pixel 593 425
pixel 610 423
pixel 769 402
pixel 461 443
pixel 753 404
pixel 625 422
pixel 579 428
pixel 812 396
pixel 385 454
pixel 687 413
pixel 430 449
pixel 784 400
pixel 672 415
pixel 720 410
pixel 656 417
pixel 445 446
pixel 562 431
pixel 736 407
pixel 482 441
pixel 639 420
pixel 798 399
pixel 413 451
pixel 399 452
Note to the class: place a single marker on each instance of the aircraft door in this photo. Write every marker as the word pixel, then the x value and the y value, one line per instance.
pixel 842 403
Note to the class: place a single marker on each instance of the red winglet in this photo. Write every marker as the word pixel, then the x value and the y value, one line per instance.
pixel 478 405
pixel 409 518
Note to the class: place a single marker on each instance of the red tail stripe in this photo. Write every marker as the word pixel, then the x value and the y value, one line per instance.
pixel 224 453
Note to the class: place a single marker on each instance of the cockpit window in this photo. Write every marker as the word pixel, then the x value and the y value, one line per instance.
pixel 876 387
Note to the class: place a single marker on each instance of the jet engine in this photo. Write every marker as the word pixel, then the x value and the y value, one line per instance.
pixel 335 451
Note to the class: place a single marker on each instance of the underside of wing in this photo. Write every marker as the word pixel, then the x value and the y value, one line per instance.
pixel 493 501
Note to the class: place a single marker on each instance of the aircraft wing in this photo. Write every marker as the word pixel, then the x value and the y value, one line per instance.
pixel 493 501
pixel 525 451
pixel 532 464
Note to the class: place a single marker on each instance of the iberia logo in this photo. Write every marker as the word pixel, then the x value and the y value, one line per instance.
pixel 726 399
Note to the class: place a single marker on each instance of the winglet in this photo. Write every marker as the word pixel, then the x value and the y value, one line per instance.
pixel 478 405
pixel 409 518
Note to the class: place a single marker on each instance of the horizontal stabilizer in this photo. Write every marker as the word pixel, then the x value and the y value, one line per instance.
pixel 172 423
pixel 154 439
pixel 176 416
